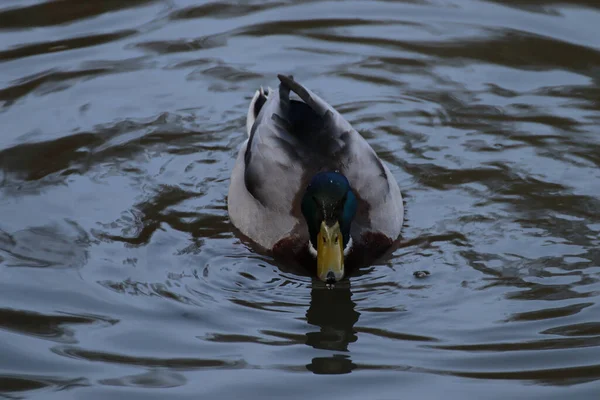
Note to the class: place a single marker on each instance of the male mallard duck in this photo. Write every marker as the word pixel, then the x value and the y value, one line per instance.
pixel 307 185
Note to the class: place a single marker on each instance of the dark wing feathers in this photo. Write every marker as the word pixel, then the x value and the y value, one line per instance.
pixel 259 103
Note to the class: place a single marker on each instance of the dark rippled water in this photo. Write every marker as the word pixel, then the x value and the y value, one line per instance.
pixel 120 276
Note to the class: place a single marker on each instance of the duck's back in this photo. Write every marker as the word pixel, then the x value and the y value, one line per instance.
pixel 289 142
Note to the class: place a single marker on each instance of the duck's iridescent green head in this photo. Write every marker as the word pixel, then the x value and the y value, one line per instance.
pixel 329 206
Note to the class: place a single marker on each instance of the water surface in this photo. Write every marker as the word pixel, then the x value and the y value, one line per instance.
pixel 120 276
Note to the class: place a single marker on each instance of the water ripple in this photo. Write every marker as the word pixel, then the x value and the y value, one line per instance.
pixel 122 275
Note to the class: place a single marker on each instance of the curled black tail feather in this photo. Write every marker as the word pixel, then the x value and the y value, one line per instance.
pixel 318 107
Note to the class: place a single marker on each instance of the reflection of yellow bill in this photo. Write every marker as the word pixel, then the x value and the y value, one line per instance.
pixel 330 253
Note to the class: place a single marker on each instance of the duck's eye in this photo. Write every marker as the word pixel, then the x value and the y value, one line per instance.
pixel 324 239
pixel 335 240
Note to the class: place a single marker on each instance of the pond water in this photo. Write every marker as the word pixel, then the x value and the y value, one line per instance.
pixel 120 274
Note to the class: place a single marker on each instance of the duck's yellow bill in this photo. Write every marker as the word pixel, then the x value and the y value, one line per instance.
pixel 330 253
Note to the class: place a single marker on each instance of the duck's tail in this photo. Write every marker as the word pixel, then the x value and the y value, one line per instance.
pixel 256 104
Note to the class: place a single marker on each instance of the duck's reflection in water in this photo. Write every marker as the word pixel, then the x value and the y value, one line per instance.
pixel 332 312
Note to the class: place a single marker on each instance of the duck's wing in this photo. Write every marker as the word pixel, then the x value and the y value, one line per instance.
pixel 270 169
pixel 275 160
